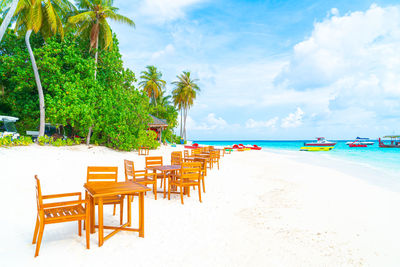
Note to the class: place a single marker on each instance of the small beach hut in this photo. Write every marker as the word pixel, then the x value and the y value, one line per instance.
pixel 158 125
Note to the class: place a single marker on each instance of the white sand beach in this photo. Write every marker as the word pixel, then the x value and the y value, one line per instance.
pixel 259 209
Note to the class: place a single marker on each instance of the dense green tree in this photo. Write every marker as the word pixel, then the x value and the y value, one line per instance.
pixel 73 97
pixel 43 16
pixel 91 23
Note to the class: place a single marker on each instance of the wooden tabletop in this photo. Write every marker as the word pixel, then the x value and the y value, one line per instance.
pixel 165 168
pixel 99 189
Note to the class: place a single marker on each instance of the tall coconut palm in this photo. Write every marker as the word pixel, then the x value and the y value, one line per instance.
pixel 44 16
pixel 10 13
pixel 151 83
pixel 92 23
pixel 184 95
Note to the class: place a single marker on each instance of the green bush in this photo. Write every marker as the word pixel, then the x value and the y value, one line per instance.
pixel 77 141
pixel 22 141
pixel 70 142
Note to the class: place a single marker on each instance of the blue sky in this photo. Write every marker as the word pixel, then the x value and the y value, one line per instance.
pixel 274 69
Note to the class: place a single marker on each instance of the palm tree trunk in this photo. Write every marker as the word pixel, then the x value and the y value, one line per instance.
pixel 38 83
pixel 96 57
pixel 184 123
pixel 7 19
pixel 181 123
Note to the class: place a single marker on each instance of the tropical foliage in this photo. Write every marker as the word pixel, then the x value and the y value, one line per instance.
pixel 184 94
pixel 73 97
pixel 152 84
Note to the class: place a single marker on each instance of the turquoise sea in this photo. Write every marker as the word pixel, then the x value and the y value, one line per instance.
pixel 379 160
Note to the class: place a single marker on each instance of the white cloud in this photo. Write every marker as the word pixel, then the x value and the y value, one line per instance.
pixel 167 50
pixel 166 10
pixel 271 123
pixel 211 122
pixel 293 119
pixel 354 59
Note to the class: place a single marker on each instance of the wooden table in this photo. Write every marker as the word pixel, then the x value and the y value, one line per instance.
pixel 99 190
pixel 164 169
pixel 143 151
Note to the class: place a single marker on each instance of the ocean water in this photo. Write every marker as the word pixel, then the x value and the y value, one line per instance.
pixel 384 160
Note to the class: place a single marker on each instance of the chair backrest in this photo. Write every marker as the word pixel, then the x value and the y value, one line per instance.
pixel 190 170
pixel 176 158
pixel 203 166
pixel 154 161
pixel 102 174
pixel 196 151
pixel 39 199
pixel 129 170
pixel 186 153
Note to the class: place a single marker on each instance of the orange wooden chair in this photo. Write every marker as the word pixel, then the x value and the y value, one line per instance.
pixel 214 154
pixel 189 175
pixel 176 158
pixel 99 174
pixel 58 212
pixel 203 172
pixel 195 151
pixel 155 161
pixel 186 153
pixel 140 176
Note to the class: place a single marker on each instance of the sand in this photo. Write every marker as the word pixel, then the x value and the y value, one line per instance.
pixel 260 209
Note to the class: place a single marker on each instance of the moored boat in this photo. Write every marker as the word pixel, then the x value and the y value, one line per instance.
pixel 394 141
pixel 316 148
pixel 361 140
pixel 321 141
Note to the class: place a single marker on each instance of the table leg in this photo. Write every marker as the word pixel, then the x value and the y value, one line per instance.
pixel 129 210
pixel 165 182
pixel 141 214
pixel 100 204
pixel 92 214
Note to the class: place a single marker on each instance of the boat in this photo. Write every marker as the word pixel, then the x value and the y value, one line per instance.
pixel 195 145
pixel 321 141
pixel 355 144
pixel 393 143
pixel 361 140
pixel 316 148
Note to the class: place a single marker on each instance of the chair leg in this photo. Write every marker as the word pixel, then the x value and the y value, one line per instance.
pixel 39 240
pixel 204 188
pixel 155 190
pixel 80 227
pixel 199 192
pixel 115 206
pixel 36 231
pixel 87 226
pixel 180 189
pixel 121 210
pixel 169 191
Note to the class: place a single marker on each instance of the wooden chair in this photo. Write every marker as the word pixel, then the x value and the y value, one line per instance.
pixel 155 161
pixel 214 155
pixel 176 158
pixel 140 176
pixel 195 151
pixel 186 153
pixel 203 172
pixel 189 175
pixel 58 212
pixel 99 174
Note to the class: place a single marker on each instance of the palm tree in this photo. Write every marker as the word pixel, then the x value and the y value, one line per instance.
pixel 184 95
pixel 92 23
pixel 44 16
pixel 152 83
pixel 7 19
